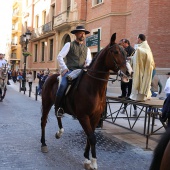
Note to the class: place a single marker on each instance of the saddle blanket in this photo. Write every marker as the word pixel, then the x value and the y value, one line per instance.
pixel 74 74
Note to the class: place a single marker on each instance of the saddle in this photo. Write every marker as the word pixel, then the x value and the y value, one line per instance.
pixel 73 82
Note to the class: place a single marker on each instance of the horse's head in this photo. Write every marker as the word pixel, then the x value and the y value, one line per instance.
pixel 117 58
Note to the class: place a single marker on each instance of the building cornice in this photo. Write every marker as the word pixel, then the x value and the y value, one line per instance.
pixel 109 15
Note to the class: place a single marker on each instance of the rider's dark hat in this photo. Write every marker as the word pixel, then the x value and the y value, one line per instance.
pixel 168 73
pixel 80 28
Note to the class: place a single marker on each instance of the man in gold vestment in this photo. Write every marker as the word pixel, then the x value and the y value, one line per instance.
pixel 143 65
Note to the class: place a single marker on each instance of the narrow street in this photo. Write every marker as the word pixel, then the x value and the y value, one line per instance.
pixel 20 134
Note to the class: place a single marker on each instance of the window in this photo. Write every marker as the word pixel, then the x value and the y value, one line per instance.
pixel 44 17
pixel 25 26
pixel 68 5
pixel 51 50
pixel 52 11
pixel 42 51
pixel 35 52
pixel 95 2
pixel 37 21
pixel 99 1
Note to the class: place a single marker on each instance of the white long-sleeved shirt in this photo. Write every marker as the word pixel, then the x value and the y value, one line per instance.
pixel 64 52
pixel 2 61
pixel 167 86
pixel 30 78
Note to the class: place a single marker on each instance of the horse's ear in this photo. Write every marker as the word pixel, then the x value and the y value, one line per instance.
pixel 113 38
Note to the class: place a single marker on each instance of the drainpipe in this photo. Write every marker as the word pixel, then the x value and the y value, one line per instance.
pixel 86 11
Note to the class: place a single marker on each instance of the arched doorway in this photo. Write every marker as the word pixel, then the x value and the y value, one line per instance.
pixel 67 39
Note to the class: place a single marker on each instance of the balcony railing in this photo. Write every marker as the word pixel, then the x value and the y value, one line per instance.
pixel 13 55
pixel 37 32
pixel 13 43
pixel 47 27
pixel 61 18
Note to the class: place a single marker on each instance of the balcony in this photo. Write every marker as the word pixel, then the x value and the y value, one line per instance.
pixel 42 32
pixel 14 31
pixel 62 20
pixel 13 45
pixel 15 14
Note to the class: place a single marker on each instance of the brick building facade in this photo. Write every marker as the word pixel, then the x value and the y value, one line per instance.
pixel 51 23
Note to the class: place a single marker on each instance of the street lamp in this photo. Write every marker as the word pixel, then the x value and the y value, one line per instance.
pixel 25 40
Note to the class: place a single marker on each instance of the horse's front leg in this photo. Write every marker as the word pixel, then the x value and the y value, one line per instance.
pixel 87 161
pixel 61 129
pixel 92 141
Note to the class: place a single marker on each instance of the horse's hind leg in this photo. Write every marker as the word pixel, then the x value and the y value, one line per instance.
pixel 45 110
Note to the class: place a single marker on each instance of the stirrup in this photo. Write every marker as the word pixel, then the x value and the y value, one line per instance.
pixel 59 112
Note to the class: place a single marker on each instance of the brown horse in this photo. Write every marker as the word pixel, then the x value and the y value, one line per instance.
pixel 86 101
pixel 161 158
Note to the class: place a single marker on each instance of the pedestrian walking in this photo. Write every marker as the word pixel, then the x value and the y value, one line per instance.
pixel 30 80
pixel 40 84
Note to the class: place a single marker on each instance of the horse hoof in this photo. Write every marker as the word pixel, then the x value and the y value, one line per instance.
pixel 93 164
pixel 87 164
pixel 44 149
pixel 59 133
pixel 57 137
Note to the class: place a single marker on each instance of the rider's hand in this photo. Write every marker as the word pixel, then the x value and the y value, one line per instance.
pixel 64 72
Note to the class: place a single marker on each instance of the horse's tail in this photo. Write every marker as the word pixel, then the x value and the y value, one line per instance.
pixel 159 151
pixel 48 93
pixel 50 81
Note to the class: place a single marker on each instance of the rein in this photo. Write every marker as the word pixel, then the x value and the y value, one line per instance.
pixel 102 72
pixel 110 79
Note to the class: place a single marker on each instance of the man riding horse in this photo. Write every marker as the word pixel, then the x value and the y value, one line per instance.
pixel 3 79
pixel 77 56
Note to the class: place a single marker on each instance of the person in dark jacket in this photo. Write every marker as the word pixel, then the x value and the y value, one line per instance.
pixel 127 87
pixel 166 111
pixel 40 84
pixel 44 77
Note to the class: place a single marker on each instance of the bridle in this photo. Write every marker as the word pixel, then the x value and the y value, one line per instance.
pixel 117 67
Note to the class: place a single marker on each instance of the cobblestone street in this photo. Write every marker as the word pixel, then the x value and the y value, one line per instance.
pixel 20 134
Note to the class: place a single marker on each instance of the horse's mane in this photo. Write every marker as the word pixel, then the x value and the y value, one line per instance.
pixel 96 56
pixel 159 151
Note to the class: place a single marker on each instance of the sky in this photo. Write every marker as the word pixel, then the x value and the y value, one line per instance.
pixel 5 23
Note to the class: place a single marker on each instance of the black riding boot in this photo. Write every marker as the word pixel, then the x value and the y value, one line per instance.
pixel 58 110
